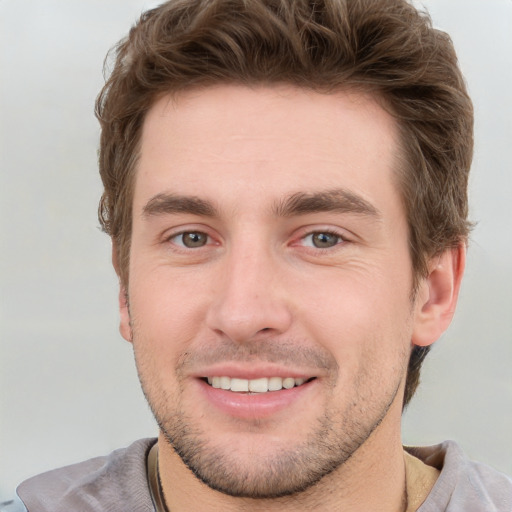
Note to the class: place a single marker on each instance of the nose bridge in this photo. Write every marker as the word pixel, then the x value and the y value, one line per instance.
pixel 249 297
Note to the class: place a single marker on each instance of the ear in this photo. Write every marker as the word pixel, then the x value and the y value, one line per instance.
pixel 125 327
pixel 437 296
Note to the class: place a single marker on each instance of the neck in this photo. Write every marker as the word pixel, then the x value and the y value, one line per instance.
pixel 372 479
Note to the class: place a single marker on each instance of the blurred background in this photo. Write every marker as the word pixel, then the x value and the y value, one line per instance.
pixel 68 386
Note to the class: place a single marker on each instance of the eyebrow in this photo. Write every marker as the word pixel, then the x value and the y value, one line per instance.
pixel 336 200
pixel 300 203
pixel 172 203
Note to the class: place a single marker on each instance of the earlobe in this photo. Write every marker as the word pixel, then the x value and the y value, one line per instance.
pixel 437 297
pixel 125 327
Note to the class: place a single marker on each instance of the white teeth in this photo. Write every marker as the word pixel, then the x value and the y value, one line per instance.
pixel 275 383
pixel 258 385
pixel 239 385
pixel 261 385
pixel 288 383
pixel 220 382
pixel 225 383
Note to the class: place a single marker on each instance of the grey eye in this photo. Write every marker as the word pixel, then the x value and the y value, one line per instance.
pixel 322 240
pixel 191 239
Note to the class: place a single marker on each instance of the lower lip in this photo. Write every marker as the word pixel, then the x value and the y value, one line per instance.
pixel 255 405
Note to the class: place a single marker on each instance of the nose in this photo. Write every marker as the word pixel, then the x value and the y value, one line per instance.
pixel 250 298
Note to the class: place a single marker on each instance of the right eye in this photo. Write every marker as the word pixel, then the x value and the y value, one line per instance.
pixel 322 240
pixel 190 239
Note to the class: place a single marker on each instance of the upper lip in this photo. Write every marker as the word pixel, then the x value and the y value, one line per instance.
pixel 255 371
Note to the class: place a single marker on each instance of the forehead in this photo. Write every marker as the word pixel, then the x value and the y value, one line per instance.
pixel 230 142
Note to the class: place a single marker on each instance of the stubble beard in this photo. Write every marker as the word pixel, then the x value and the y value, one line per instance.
pixel 284 472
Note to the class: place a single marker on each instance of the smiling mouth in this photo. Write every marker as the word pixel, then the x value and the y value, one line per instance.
pixel 261 385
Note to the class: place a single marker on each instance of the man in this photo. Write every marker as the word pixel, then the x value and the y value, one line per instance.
pixel 285 188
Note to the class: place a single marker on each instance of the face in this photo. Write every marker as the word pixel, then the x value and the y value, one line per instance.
pixel 269 282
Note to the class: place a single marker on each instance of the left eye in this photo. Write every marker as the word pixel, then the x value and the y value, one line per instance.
pixel 322 240
pixel 190 239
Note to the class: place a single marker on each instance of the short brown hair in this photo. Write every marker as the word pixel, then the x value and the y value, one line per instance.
pixel 385 47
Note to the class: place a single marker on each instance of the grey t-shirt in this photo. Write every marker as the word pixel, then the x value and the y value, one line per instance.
pixel 118 482
pixel 463 485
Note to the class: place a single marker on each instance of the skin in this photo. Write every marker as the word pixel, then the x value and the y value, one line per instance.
pixel 229 275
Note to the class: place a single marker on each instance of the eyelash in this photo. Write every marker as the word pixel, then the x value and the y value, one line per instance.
pixel 182 246
pixel 340 240
pixel 331 233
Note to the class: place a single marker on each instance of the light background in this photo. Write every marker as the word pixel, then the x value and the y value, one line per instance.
pixel 68 387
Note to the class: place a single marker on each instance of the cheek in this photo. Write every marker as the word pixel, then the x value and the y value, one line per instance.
pixel 358 311
pixel 166 313
pixel 354 295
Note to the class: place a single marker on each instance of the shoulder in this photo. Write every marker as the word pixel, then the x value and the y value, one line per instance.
pixel 103 483
pixel 463 485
